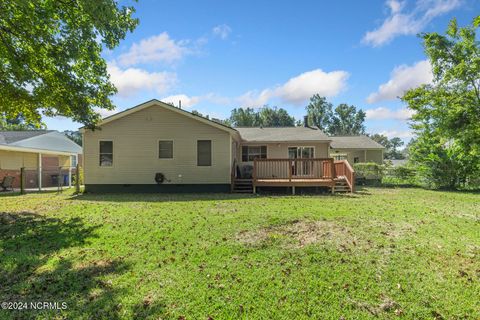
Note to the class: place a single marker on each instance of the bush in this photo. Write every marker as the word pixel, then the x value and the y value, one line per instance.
pixel 368 172
pixel 401 175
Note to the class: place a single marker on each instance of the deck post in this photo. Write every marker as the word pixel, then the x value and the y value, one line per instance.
pixel 39 168
pixel 22 180
pixel 254 189
pixel 333 189
pixel 293 190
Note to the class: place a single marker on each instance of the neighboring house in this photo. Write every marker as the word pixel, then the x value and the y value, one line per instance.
pixel 356 149
pixel 45 156
pixel 161 148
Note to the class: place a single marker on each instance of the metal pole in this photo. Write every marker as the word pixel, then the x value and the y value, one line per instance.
pixel 40 172
pixel 22 180
pixel 77 180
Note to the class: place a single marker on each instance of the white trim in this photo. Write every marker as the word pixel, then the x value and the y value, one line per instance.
pixel 313 147
pixel 34 150
pixel 113 153
pixel 164 105
pixel 253 145
pixel 173 149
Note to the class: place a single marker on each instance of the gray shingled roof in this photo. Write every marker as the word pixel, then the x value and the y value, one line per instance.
pixel 282 134
pixel 7 137
pixel 354 142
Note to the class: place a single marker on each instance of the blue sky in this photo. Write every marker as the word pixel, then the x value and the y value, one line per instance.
pixel 218 55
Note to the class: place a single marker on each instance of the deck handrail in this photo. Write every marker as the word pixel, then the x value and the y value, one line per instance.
pixel 344 168
pixel 300 168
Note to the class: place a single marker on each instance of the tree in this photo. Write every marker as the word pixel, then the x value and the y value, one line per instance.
pixel 396 143
pixel 50 57
pixel 319 112
pixel 447 112
pixel 344 120
pixel 18 123
pixel 391 146
pixel 265 117
pixel 347 120
pixel 275 117
pixel 75 136
pixel 244 117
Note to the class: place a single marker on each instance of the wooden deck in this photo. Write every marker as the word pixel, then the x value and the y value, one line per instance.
pixel 317 172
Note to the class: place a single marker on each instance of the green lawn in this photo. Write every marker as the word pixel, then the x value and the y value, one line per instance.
pixel 385 253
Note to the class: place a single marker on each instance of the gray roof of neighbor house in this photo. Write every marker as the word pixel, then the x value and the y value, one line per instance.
pixel 354 142
pixel 7 137
pixel 282 134
pixel 49 140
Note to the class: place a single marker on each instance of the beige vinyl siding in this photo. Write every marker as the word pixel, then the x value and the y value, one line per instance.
pixel 362 154
pixel 280 150
pixel 135 150
pixel 14 160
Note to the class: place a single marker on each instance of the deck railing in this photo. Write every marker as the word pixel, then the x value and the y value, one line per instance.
pixel 344 169
pixel 291 169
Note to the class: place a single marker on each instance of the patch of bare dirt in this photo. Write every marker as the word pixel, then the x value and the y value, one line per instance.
pixel 302 233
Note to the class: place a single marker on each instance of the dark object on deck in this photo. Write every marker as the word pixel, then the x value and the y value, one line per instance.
pixel 7 183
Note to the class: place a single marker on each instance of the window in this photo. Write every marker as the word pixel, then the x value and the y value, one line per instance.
pixel 106 153
pixel 73 161
pixel 300 152
pixel 165 149
pixel 251 152
pixel 339 156
pixel 356 160
pixel 204 153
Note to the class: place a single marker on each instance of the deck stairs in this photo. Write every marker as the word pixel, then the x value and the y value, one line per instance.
pixel 242 185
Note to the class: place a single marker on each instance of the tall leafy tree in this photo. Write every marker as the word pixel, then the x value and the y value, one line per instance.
pixel 391 146
pixel 244 117
pixel 75 136
pixel 50 57
pixel 447 112
pixel 319 112
pixel 347 120
pixel 265 117
pixel 275 117
pixel 18 123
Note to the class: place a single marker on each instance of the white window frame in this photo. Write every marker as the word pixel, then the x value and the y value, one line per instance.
pixel 113 153
pixel 158 149
pixel 288 155
pixel 255 146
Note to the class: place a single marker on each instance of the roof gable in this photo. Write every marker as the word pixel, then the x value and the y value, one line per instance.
pixel 155 102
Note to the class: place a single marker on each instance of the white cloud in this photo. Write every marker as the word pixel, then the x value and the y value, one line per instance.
pixel 299 89
pixel 222 31
pixel 403 134
pixel 187 102
pixel 402 79
pixel 132 80
pixel 159 48
pixel 382 113
pixel 408 23
pixel 106 113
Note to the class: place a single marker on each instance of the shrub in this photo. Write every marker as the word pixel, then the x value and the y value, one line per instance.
pixel 368 172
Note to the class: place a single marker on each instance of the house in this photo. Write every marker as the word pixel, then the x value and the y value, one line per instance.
pixel 45 155
pixel 156 147
pixel 356 149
